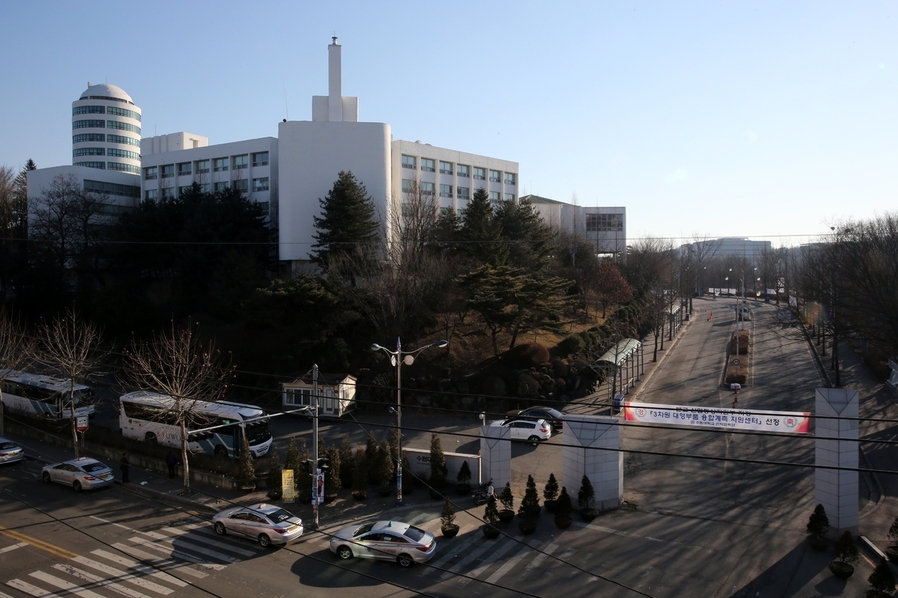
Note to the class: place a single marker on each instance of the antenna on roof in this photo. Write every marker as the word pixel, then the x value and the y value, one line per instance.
pixel 334 38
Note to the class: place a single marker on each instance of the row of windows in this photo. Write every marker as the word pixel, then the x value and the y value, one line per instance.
pixel 117 166
pixel 112 188
pixel 260 184
pixel 115 124
pixel 604 222
pixel 109 124
pixel 104 110
pixel 203 166
pixel 462 170
pixel 99 151
pixel 123 139
pixel 88 124
pixel 88 138
pixel 408 186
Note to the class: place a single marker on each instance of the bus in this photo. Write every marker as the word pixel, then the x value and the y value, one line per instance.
pixel 46 396
pixel 152 417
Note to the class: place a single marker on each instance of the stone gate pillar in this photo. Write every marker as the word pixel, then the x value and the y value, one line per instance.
pixel 495 455
pixel 592 448
pixel 837 446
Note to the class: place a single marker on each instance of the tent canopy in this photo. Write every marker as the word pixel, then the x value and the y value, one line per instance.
pixel 619 353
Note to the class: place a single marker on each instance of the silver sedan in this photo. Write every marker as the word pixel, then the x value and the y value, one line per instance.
pixel 10 452
pixel 385 540
pixel 269 524
pixel 83 473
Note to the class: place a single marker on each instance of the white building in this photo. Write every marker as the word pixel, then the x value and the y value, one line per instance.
pixel 106 130
pixel 751 251
pixel 605 227
pixel 172 163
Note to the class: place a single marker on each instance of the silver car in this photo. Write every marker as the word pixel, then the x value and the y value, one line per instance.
pixel 10 452
pixel 269 524
pixel 82 473
pixel 386 540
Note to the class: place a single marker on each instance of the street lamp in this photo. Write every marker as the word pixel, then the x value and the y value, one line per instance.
pixel 397 358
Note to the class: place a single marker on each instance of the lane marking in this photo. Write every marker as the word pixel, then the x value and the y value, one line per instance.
pixel 145 569
pixel 123 575
pixel 64 585
pixel 99 581
pixel 24 586
pixel 12 547
pixel 46 546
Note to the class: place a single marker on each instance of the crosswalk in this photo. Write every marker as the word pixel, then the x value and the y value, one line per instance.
pixel 145 564
pixel 159 563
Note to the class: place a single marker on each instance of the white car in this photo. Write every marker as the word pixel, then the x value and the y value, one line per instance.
pixel 10 452
pixel 384 540
pixel 269 524
pixel 82 473
pixel 532 431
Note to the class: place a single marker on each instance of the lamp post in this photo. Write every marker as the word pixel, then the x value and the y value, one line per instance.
pixel 397 358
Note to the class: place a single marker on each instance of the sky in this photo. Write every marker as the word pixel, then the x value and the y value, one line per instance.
pixel 763 119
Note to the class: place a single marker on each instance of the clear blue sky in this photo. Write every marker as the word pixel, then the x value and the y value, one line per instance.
pixel 760 119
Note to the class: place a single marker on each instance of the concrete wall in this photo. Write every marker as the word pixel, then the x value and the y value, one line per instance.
pixel 836 446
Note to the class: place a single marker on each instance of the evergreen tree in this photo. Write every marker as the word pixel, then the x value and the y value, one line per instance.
pixel 563 506
pixel 479 235
pixel 347 231
pixel 507 498
pixel 528 240
pixel 274 470
pixel 347 462
pixel 587 495
pixel 293 461
pixel 550 491
pixel 437 459
pixel 530 503
pixel 882 579
pixel 818 522
pixel 846 548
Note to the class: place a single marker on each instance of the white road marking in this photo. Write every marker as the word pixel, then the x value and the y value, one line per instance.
pixel 64 585
pixel 98 581
pixel 123 575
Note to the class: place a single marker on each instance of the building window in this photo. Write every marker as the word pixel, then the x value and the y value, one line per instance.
pixel 88 110
pixel 260 159
pixel 123 167
pixel 88 151
pixel 150 173
pixel 220 164
pixel 185 169
pixel 240 162
pixel 168 171
pixel 408 162
pixel 202 166
pixel 222 186
pixel 445 190
pixel 205 188
pixel 494 196
pixel 426 188
pixel 463 170
pixel 112 188
pixel 427 165
pixel 604 223
pixel 445 167
pixel 464 192
pixel 494 176
pixel 100 165
pixel 88 138
pixel 509 178
pixel 480 174
pixel 168 193
pixel 184 189
pixel 241 185
pixel 88 124
pixel 120 153
pixel 151 194
pixel 122 112
pixel 408 185
pixel 260 184
pixel 114 124
pixel 122 139
pixel 509 197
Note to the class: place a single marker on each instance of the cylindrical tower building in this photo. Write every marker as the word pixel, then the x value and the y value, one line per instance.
pixel 106 130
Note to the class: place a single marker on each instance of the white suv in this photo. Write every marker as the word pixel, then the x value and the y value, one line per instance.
pixel 532 431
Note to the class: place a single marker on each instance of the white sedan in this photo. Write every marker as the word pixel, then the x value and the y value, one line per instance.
pixel 10 452
pixel 384 540
pixel 82 473
pixel 269 524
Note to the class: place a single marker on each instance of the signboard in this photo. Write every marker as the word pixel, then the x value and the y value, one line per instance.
pixel 288 490
pixel 719 417
pixel 319 488
pixel 81 423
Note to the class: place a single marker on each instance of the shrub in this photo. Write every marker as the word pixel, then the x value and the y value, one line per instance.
pixel 464 473
pixel 384 465
pixel 371 451
pixel 359 473
pixel 507 498
pixel 347 462
pixel 437 459
pixel 818 523
pixel 846 549
pixel 246 470
pixel 491 513
pixel 447 517
pixel 530 502
pixel 563 506
pixel 550 491
pixel 587 495
pixel 882 579
pixel 274 471
pixel 293 460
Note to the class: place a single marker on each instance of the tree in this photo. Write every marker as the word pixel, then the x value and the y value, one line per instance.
pixel 491 513
pixel 385 467
pixel 586 495
pixel 13 226
pixel 479 236
pixel 846 549
pixel 507 498
pixel 70 345
pixel 550 491
pixel 447 517
pixel 608 286
pixel 180 365
pixel 16 351
pixel 438 469
pixel 346 227
pixel 882 580
pixel 529 240
pixel 293 461
pixel 530 503
pixel 246 471
pixel 274 471
pixel 563 506
pixel 347 462
pixel 818 522
pixel 464 473
pixel 359 473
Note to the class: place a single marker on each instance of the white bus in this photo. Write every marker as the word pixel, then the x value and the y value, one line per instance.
pixel 36 394
pixel 151 417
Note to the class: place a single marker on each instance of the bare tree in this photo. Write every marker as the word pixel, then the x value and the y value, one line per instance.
pixel 16 351
pixel 180 365
pixel 70 345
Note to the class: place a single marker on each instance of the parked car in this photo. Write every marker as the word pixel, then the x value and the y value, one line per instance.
pixel 553 416
pixel 385 540
pixel 10 452
pixel 82 473
pixel 269 524
pixel 532 431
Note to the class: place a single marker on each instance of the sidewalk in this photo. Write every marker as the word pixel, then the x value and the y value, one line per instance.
pixel 207 499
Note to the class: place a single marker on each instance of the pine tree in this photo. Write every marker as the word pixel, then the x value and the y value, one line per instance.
pixel 882 579
pixel 550 491
pixel 479 234
pixel 347 230
pixel 438 468
pixel 846 548
pixel 506 497
pixel 818 523
pixel 530 503
pixel 447 517
pixel 347 463
pixel 293 460
pixel 587 494
pixel 563 506
pixel 274 471
pixel 246 469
